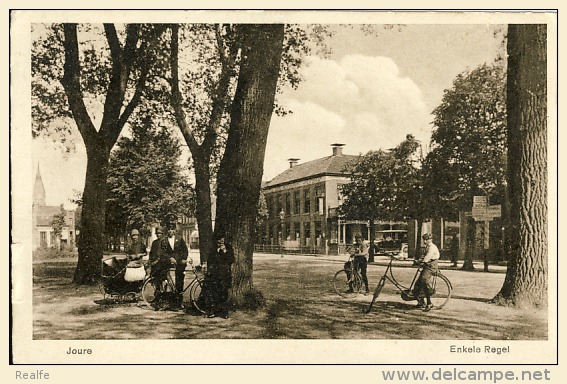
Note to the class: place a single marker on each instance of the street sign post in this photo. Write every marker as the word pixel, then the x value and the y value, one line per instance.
pixel 481 211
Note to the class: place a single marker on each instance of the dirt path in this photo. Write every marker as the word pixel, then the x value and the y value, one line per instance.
pixel 301 304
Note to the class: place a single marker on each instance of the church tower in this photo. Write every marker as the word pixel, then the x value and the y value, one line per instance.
pixel 38 190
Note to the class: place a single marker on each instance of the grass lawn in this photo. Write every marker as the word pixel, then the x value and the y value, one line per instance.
pixel 301 304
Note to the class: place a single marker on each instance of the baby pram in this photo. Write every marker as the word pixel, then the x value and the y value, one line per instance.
pixel 114 286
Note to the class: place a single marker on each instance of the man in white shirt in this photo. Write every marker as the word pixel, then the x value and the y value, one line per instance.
pixel 423 284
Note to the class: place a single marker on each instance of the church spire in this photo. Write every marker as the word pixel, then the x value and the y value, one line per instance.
pixel 38 189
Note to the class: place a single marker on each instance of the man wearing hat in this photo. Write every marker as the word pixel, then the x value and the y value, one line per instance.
pixel 174 249
pixel 430 266
pixel 158 266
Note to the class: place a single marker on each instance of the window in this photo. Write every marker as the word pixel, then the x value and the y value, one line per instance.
pixel 306 201
pixel 307 232
pixel 288 204
pixel 270 206
pixel 296 203
pixel 43 239
pixel 280 205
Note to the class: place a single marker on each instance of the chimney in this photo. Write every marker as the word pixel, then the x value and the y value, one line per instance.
pixel 337 149
pixel 292 162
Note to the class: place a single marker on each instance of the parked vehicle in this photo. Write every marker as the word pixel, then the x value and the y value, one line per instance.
pixel 387 247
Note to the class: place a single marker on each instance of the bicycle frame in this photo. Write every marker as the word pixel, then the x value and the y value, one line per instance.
pixel 389 275
pixel 407 292
pixel 171 283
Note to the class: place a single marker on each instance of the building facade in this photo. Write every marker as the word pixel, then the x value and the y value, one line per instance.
pixel 43 234
pixel 302 205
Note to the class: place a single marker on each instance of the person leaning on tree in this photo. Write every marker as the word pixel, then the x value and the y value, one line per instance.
pixel 430 267
pixel 219 275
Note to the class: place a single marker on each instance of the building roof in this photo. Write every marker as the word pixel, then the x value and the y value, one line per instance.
pixel 38 189
pixel 331 165
pixel 45 213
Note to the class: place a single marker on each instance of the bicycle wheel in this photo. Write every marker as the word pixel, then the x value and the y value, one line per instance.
pixel 195 295
pixel 149 290
pixel 377 291
pixel 347 286
pixel 443 291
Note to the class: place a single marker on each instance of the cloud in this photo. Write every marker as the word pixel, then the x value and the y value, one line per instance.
pixel 360 101
pixel 303 134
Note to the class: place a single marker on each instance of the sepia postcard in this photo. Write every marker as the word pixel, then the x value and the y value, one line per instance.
pixel 128 125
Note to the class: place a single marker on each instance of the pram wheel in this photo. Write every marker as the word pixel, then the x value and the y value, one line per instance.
pixel 131 297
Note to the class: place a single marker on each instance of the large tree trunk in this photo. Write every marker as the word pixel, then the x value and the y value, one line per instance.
pixel 469 242
pixel 99 143
pixel 526 277
pixel 240 173
pixel 203 206
pixel 91 238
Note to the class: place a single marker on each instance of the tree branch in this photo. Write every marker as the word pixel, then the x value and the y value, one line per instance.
pixel 147 45
pixel 72 85
pixel 176 93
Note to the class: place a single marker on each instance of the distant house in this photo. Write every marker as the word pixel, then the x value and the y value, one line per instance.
pixel 302 205
pixel 43 235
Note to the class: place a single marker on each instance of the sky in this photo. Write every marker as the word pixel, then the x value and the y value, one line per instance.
pixel 368 94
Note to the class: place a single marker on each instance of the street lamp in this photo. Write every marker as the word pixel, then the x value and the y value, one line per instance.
pixel 282 217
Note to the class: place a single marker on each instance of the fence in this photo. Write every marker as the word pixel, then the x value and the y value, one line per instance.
pixel 301 249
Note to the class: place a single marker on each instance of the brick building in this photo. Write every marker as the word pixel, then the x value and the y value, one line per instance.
pixel 302 205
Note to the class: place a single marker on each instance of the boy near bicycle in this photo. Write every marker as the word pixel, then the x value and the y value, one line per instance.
pixel 359 253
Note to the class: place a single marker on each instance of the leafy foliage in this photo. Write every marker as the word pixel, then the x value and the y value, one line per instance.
pixel 58 222
pixel 146 182
pixel 469 142
pixel 384 184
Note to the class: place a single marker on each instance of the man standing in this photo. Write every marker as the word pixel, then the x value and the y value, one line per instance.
pixel 158 265
pixel 360 258
pixel 430 267
pixel 454 250
pixel 220 279
pixel 174 249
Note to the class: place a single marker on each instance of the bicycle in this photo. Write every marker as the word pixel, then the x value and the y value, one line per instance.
pixel 348 282
pixel 442 288
pixel 152 286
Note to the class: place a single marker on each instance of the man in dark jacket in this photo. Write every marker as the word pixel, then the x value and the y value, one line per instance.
pixel 219 278
pixel 174 249
pixel 158 265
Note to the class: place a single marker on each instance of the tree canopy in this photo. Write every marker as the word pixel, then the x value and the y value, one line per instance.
pixel 147 182
pixel 383 184
pixel 468 155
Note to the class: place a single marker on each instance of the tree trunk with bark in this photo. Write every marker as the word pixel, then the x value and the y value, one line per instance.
pixel 469 241
pixel 99 143
pixel 240 173
pixel 203 206
pixel 526 279
pixel 91 239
